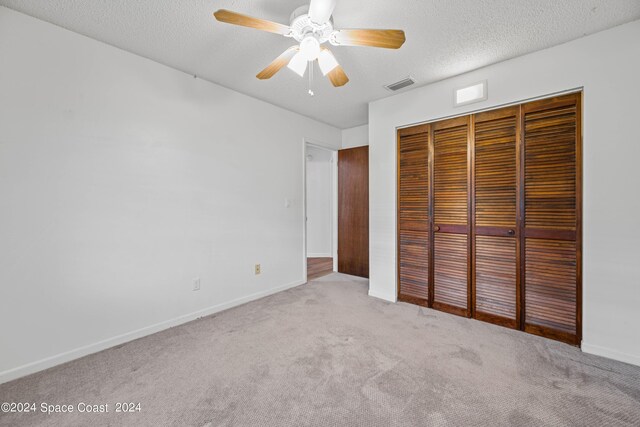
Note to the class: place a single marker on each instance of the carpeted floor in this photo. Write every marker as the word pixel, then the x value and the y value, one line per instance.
pixel 326 354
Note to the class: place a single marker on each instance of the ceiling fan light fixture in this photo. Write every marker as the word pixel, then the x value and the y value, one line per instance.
pixel 310 48
pixel 298 64
pixel 327 61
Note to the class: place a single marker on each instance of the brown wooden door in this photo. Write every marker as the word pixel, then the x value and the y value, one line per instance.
pixel 552 192
pixel 353 211
pixel 496 286
pixel 450 219
pixel 413 215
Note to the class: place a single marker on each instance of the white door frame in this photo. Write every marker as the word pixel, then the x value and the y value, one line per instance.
pixel 306 142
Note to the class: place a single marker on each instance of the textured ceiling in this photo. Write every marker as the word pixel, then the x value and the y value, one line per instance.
pixel 444 38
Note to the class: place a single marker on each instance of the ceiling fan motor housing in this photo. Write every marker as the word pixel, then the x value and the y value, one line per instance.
pixel 302 26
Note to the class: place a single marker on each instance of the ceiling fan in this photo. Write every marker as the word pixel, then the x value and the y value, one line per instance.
pixel 312 26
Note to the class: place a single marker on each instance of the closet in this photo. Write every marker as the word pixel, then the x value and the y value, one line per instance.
pixel 489 221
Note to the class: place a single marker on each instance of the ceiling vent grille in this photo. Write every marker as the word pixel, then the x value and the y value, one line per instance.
pixel 400 85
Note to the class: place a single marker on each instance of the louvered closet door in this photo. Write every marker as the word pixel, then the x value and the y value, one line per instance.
pixel 552 228
pixel 413 215
pixel 451 216
pixel 496 272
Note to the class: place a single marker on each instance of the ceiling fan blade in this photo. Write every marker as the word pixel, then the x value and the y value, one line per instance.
pixel 278 63
pixel 338 77
pixel 389 39
pixel 234 18
pixel 320 10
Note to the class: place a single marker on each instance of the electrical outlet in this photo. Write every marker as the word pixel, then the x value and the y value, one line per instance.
pixel 196 284
pixel 258 271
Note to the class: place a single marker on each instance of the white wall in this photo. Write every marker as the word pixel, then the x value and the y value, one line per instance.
pixel 121 180
pixel 319 202
pixel 355 137
pixel 607 65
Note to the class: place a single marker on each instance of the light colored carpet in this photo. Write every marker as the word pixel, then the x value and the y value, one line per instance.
pixel 326 354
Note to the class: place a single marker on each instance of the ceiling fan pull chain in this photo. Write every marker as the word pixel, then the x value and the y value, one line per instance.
pixel 310 92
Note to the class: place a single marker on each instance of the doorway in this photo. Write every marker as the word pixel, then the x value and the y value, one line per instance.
pixel 321 180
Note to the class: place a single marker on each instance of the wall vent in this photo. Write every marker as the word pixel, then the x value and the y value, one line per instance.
pixel 400 85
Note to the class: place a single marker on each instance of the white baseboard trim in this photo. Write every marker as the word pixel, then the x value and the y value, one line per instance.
pixel 386 297
pixel 58 359
pixel 320 255
pixel 610 353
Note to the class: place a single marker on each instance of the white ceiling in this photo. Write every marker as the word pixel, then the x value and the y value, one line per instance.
pixel 444 38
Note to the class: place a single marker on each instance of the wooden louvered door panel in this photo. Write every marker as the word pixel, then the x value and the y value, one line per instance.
pixel 413 215
pixel 495 175
pixel 450 219
pixel 552 189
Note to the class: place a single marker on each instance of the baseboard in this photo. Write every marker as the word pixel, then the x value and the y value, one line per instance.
pixel 77 353
pixel 383 296
pixel 610 354
pixel 320 255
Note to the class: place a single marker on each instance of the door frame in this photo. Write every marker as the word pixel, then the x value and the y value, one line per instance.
pixel 307 142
